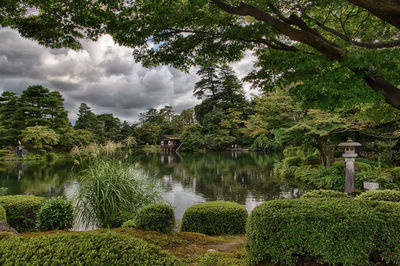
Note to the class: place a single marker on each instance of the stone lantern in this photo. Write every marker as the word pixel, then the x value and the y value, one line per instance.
pixel 349 157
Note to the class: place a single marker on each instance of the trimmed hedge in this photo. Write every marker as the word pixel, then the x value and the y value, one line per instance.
pixel 384 195
pixel 56 214
pixel 332 231
pixel 215 218
pixel 88 248
pixel 22 211
pixel 156 217
pixel 322 193
pixel 3 214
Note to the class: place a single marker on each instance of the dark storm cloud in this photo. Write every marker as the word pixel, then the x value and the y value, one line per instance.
pixel 103 75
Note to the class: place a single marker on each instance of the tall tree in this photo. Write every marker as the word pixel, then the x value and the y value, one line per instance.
pixel 35 101
pixel 12 119
pixel 350 46
pixel 88 120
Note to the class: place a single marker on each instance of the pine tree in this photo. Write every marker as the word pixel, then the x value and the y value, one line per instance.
pixel 12 119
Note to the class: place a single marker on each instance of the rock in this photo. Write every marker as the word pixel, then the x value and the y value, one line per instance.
pixel 6 228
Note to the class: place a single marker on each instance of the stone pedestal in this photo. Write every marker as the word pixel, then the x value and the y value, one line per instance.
pixel 349 157
pixel 349 181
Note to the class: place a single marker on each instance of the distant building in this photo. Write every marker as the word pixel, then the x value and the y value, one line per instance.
pixel 170 143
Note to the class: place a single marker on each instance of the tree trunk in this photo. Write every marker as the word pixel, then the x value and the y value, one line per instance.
pixel 326 151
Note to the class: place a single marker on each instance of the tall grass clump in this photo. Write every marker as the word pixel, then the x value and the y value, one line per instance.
pixel 111 193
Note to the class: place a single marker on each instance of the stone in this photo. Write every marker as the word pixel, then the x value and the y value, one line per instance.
pixel 371 185
pixel 4 227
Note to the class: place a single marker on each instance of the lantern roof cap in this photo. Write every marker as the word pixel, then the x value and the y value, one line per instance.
pixel 349 143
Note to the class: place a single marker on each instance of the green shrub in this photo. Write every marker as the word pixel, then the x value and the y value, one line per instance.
pixel 395 173
pixel 56 214
pixel 22 211
pixel 88 248
pixel 292 161
pixel 215 218
pixel 384 195
pixel 322 193
pixel 3 214
pixel 129 224
pixel 156 217
pixel 331 231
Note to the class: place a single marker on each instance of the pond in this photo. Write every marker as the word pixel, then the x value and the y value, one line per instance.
pixel 186 179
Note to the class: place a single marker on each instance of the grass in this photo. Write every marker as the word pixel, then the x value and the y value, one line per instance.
pixel 111 192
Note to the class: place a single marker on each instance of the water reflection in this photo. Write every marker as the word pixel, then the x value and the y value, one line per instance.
pixel 186 179
pixel 243 177
pixel 41 178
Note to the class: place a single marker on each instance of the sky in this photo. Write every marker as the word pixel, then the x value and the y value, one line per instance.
pixel 103 74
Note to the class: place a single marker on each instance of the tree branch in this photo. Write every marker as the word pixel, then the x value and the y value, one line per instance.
pixel 310 38
pixel 388 10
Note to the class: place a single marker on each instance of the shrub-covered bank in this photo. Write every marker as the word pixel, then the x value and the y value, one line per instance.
pixel 89 248
pixel 327 230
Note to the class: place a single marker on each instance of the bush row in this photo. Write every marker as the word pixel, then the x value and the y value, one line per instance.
pixel 88 248
pixel 326 230
pixel 27 213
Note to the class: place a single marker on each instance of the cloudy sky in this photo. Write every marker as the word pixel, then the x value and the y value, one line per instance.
pixel 103 75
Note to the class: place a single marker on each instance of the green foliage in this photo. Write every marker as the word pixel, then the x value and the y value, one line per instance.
pixel 87 248
pixel 56 214
pixel 111 193
pixel 3 214
pixel 155 217
pixel 129 224
pixel 215 218
pixel 40 137
pixel 384 195
pixel 292 161
pixel 281 231
pixel 395 173
pixel 191 138
pixel 323 193
pixel 22 211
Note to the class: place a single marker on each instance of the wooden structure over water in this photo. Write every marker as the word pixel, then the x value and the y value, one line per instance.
pixel 170 143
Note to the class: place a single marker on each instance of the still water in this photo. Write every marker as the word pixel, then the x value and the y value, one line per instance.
pixel 185 179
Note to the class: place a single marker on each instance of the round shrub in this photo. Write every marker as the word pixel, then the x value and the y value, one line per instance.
pixel 56 214
pixel 3 214
pixel 88 248
pixel 325 193
pixel 156 217
pixel 22 211
pixel 326 230
pixel 215 218
pixel 384 195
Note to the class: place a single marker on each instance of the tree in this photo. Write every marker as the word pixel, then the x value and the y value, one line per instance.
pixel 41 138
pixel 315 129
pixel 35 101
pixel 88 120
pixel 111 126
pixel 351 47
pixel 12 119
